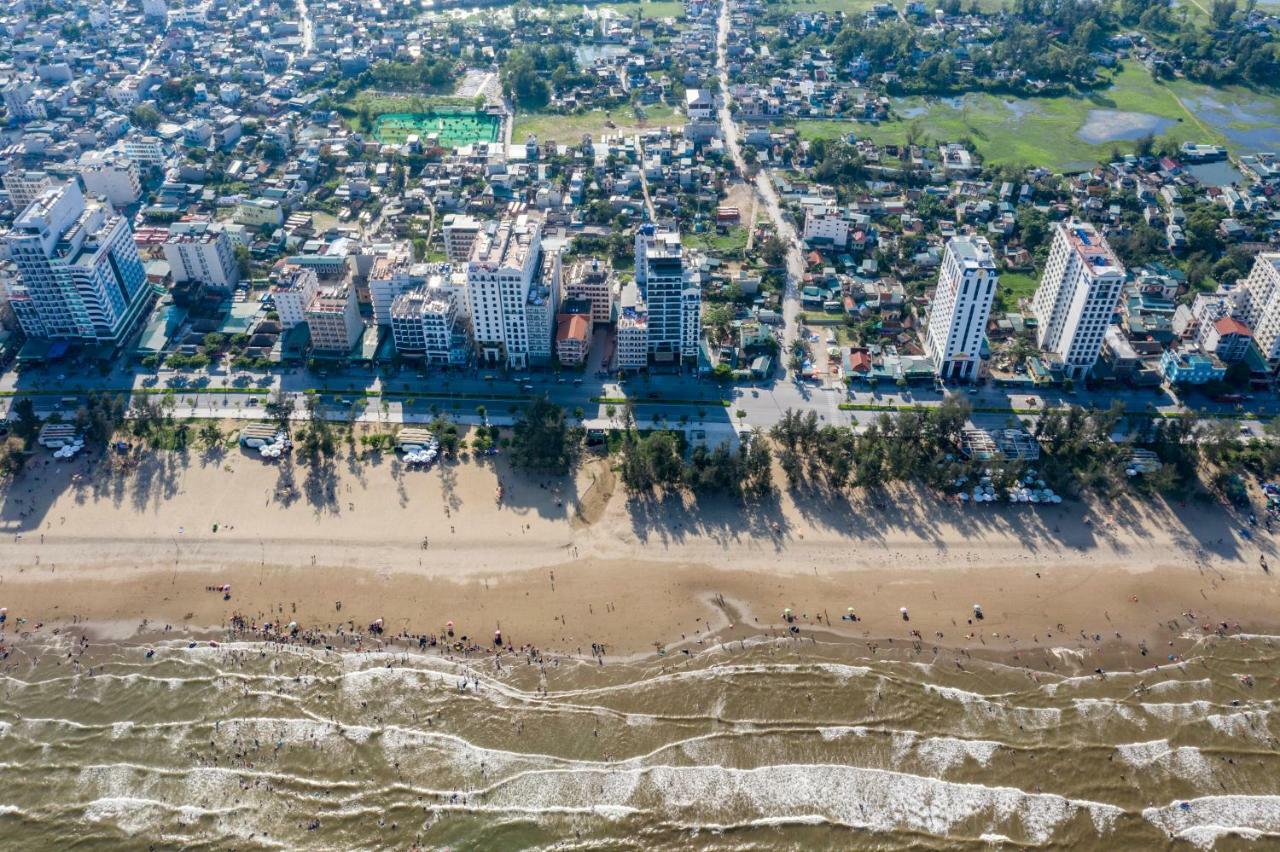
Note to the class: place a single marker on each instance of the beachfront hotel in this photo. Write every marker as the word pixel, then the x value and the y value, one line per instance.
pixel 393 273
pixel 1258 298
pixel 1076 297
pixel 631 350
pixel 592 280
pixel 674 303
pixel 425 324
pixel 960 308
pixel 80 277
pixel 292 289
pixel 333 318
pixel 504 261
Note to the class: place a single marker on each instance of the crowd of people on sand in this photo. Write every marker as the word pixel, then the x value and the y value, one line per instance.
pixel 347 636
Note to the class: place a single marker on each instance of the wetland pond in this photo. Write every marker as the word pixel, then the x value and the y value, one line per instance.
pixel 1110 125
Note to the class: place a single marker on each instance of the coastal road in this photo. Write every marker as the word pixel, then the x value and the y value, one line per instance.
pixel 764 187
pixel 671 399
pixel 719 423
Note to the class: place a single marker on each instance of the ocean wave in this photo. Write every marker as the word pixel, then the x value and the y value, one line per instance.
pixel 1186 762
pixel 876 798
pixel 1250 724
pixel 1202 821
pixel 986 708
pixel 1101 709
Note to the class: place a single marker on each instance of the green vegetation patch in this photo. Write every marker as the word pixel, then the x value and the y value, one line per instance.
pixel 1041 131
pixel 1014 286
pixel 569 129
pixel 732 242
pixel 645 8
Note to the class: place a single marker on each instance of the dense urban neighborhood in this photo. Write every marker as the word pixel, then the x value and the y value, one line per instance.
pixel 724 202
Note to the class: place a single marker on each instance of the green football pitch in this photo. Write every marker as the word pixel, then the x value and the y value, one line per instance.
pixel 453 129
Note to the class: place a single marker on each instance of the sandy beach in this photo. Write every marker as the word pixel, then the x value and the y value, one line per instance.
pixel 563 564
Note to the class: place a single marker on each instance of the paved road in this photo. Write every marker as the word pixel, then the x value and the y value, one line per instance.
pixel 308 28
pixel 764 188
pixel 644 181
pixel 411 397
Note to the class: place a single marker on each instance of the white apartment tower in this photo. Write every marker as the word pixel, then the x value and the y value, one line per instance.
pixel 1077 295
pixel 631 351
pixel 425 324
pixel 541 309
pixel 115 178
pixel 392 274
pixel 80 277
pixel 592 280
pixel 199 254
pixel 333 318
pixel 25 187
pixel 674 305
pixel 1258 303
pixel 960 308
pixel 291 292
pixel 460 234
pixel 146 151
pixel 504 260
pixel 21 102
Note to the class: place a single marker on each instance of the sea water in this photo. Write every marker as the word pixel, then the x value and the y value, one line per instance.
pixel 765 744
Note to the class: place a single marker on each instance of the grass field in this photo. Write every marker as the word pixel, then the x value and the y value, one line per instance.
pixel 647 8
pixel 730 243
pixel 361 110
pixel 857 7
pixel 1014 286
pixel 1040 131
pixel 455 128
pixel 568 129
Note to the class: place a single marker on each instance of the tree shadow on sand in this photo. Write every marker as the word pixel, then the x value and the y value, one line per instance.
pixel 675 517
pixel 286 491
pixel 320 485
pixel 156 477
